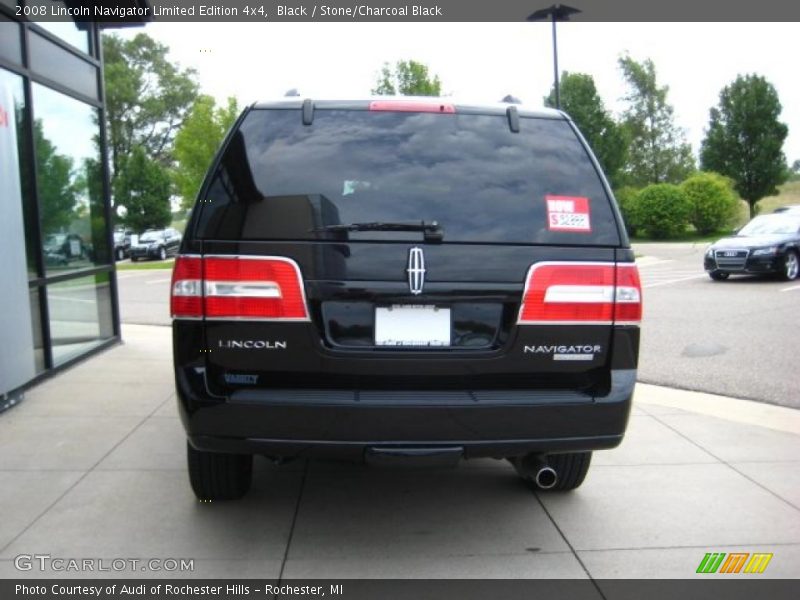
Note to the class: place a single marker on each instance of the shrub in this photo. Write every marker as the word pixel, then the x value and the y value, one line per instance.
pixel 628 198
pixel 713 201
pixel 663 210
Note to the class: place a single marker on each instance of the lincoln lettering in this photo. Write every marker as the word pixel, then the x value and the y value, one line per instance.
pixel 251 345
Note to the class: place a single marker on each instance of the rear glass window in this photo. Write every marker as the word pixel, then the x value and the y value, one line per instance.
pixel 280 180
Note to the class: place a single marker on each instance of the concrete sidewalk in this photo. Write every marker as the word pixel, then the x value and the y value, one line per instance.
pixel 92 465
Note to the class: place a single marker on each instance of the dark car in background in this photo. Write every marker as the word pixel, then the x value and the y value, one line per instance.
pixel 397 281
pixel 156 244
pixel 767 245
pixel 122 244
pixel 63 248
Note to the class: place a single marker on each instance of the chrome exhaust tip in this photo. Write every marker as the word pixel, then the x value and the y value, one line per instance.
pixel 546 478
pixel 534 468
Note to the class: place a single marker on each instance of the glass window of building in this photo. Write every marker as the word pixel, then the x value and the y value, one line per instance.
pixel 50 60
pixel 66 30
pixel 69 176
pixel 80 315
pixel 10 46
pixel 36 327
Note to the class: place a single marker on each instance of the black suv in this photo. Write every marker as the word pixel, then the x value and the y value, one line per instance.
pixel 403 280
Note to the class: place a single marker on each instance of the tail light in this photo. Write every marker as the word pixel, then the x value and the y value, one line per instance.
pixel 238 287
pixel 186 296
pixel 581 293
pixel 629 295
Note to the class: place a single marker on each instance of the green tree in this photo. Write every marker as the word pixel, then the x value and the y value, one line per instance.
pixel 663 210
pixel 580 100
pixel 658 152
pixel 713 201
pixel 143 187
pixel 58 191
pixel 147 98
pixel 628 201
pixel 745 138
pixel 91 217
pixel 407 78
pixel 197 142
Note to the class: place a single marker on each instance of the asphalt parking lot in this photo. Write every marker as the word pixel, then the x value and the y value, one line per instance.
pixel 144 296
pixel 736 338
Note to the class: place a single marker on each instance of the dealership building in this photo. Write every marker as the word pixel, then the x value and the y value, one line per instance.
pixel 56 245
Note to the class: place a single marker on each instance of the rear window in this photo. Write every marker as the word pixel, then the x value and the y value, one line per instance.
pixel 280 180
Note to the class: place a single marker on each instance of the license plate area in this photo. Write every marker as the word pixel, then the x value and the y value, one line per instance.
pixel 413 326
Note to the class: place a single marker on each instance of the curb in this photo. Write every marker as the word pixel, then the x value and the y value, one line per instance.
pixel 749 412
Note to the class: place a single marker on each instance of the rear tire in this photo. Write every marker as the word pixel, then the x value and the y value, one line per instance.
pixel 718 275
pixel 219 476
pixel 134 259
pixel 570 468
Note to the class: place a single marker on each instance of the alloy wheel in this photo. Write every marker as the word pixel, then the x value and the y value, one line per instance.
pixel 792 266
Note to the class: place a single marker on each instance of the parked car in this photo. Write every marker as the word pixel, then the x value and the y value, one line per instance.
pixel 403 281
pixel 122 244
pixel 769 244
pixel 791 209
pixel 156 244
pixel 61 248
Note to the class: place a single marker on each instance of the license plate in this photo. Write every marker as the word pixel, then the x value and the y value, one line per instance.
pixel 418 325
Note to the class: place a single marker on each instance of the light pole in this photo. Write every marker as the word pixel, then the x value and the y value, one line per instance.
pixel 557 12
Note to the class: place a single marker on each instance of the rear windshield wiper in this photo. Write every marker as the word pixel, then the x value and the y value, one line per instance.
pixel 432 231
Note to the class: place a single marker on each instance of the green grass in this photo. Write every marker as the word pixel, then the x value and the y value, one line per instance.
pixel 146 265
pixel 689 236
pixel 788 193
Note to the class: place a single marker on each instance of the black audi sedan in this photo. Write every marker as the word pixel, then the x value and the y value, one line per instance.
pixel 157 244
pixel 769 244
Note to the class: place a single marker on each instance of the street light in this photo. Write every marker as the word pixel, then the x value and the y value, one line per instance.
pixel 557 12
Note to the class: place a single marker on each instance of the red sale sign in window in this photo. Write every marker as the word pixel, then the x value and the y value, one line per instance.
pixel 568 213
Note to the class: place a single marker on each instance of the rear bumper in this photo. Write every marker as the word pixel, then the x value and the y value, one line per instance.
pixel 337 423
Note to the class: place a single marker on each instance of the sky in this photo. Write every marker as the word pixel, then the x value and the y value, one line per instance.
pixel 486 61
